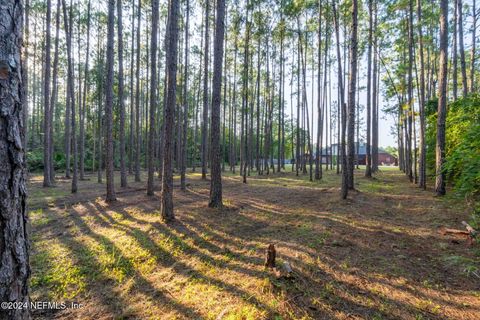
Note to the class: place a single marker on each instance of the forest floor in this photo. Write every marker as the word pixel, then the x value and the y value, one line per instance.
pixel 377 255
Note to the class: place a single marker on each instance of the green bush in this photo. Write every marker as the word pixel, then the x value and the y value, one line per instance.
pixel 462 166
pixel 463 146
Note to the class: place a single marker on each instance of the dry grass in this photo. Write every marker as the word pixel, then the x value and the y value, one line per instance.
pixel 377 255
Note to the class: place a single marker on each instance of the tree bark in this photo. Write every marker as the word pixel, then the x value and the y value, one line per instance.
pixel 205 92
pixel 318 153
pixel 375 92
pixel 422 162
pixel 153 96
pixel 109 104
pixel 473 52
pixel 71 94
pixel 171 63
pixel 183 155
pixel 442 101
pixel 53 97
pixel 121 102
pixel 462 48
pixel 131 140
pixel 410 110
pixel 344 188
pixel 84 102
pixel 137 97
pixel 216 172
pixel 368 156
pixel 455 50
pixel 351 95
pixel 14 248
pixel 46 102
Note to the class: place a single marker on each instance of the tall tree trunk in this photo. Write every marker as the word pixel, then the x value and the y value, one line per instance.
pixel 257 146
pixel 368 156
pixel 153 96
pixel 280 104
pixel 351 95
pixel 25 73
pixel 183 160
pixel 68 32
pixel 109 104
pixel 422 162
pixel 344 189
pixel 171 63
pixel 442 100
pixel 137 97
pixel 205 92
pixel 132 90
pixel 84 102
pixel 121 102
pixel 53 97
pixel 462 48
pixel 100 114
pixel 473 52
pixel 234 102
pixel 318 153
pixel 375 92
pixel 243 166
pixel 297 140
pixel 410 110
pixel 216 173
pixel 14 249
pixel 46 103
pixel 455 50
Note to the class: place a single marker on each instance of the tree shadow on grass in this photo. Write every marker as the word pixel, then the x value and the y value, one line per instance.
pixel 103 290
pixel 173 231
pixel 323 290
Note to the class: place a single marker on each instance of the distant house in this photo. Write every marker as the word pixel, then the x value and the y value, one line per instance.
pixel 384 158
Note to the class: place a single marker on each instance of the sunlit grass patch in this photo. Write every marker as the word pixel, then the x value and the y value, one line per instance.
pixel 246 312
pixel 348 257
pixel 56 272
pixel 39 218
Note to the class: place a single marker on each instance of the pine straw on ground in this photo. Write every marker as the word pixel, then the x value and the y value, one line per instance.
pixel 377 255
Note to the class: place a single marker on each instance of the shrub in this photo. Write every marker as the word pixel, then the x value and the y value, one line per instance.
pixel 462 165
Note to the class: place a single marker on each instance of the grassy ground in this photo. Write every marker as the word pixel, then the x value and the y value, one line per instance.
pixel 377 255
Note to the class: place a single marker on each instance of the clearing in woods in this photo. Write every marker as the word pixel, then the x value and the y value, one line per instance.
pixel 378 255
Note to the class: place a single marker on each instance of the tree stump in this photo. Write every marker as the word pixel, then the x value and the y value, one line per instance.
pixel 270 257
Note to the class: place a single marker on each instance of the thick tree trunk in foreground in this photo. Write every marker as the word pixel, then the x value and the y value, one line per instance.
pixel 153 96
pixel 14 267
pixel 216 174
pixel 109 104
pixel 171 63
pixel 442 100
